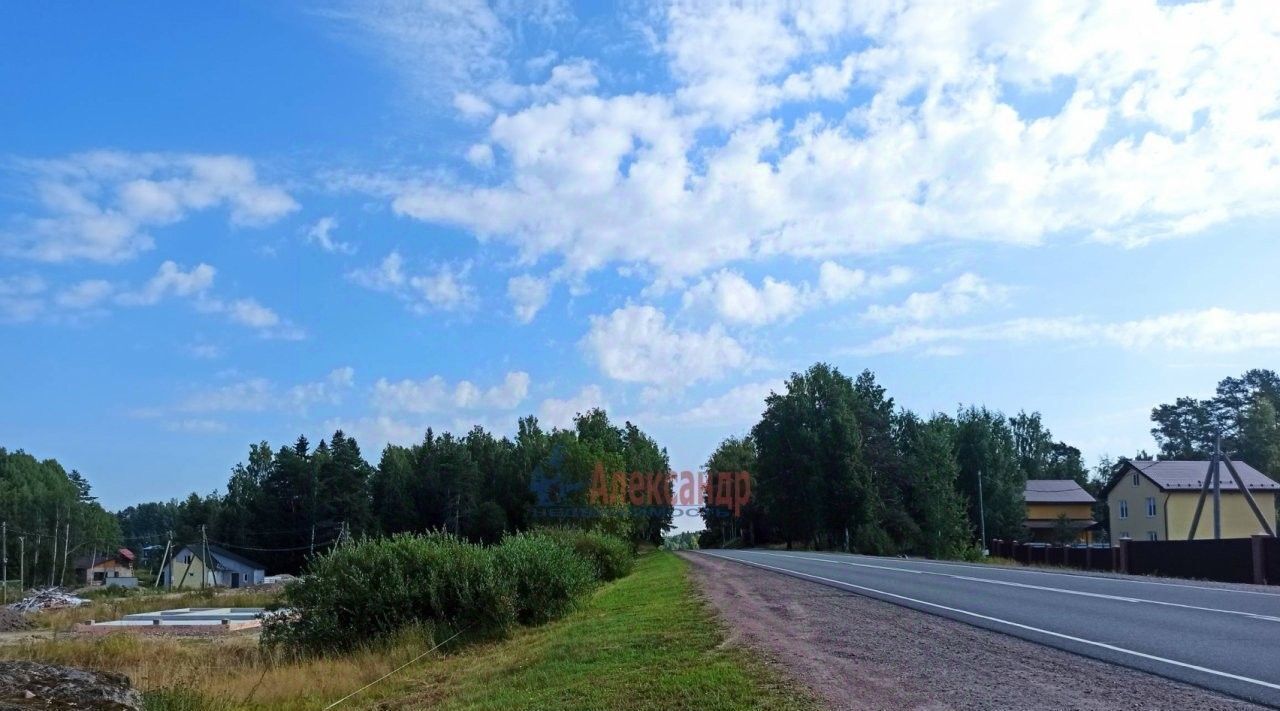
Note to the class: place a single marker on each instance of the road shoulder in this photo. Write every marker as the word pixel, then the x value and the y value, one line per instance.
pixel 860 653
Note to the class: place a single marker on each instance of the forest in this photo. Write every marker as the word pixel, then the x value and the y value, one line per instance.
pixel 834 463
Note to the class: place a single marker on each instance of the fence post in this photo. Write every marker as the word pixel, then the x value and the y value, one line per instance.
pixel 1088 557
pixel 1260 558
pixel 1124 556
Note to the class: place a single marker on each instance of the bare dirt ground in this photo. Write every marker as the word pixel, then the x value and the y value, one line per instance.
pixel 859 653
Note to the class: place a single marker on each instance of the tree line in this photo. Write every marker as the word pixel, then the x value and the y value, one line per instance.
pixel 282 505
pixel 835 464
pixel 49 518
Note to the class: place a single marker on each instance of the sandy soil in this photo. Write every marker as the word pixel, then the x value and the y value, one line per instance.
pixel 859 653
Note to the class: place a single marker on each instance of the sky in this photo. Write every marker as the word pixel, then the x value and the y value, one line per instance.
pixel 249 221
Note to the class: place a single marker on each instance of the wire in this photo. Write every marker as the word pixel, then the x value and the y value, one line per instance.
pixel 393 671
pixel 294 548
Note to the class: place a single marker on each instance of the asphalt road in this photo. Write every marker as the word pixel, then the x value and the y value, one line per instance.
pixel 1226 639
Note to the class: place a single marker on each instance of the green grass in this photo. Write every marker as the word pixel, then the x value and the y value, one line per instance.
pixel 646 641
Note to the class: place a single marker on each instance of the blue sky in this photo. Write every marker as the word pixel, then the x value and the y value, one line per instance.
pixel 225 225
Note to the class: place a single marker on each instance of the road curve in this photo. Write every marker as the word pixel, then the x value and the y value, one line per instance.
pixel 1221 638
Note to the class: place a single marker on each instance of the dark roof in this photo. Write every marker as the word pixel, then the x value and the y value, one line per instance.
pixel 1190 475
pixel 123 556
pixel 1056 491
pixel 217 554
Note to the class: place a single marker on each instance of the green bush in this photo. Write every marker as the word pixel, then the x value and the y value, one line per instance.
pixel 370 590
pixel 546 575
pixel 611 556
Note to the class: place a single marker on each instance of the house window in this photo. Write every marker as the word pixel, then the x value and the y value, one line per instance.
pixel 1151 507
pixel 186 559
pixel 1124 508
pixel 1124 534
pixel 1151 536
pixel 1135 478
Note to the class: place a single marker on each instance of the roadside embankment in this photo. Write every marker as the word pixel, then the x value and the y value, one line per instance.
pixel 859 653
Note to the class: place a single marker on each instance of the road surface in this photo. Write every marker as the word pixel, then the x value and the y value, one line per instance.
pixel 1221 638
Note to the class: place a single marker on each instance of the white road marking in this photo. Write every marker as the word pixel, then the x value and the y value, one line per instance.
pixel 1009 583
pixel 1035 571
pixel 1017 625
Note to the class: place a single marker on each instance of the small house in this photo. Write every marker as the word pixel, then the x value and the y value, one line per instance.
pixel 110 569
pixel 188 568
pixel 1156 500
pixel 1058 511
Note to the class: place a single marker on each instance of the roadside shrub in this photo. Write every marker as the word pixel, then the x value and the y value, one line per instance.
pixel 610 556
pixel 545 575
pixel 370 590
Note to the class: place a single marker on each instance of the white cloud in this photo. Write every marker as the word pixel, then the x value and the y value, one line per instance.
pixel 170 280
pixel 554 412
pixel 738 301
pixel 446 288
pixel 635 344
pixel 1207 331
pixel 85 294
pixel 100 206
pixel 321 233
pixel 196 425
pixel 471 106
pixel 1145 136
pixel 480 155
pixel 955 298
pixel 528 295
pixel 262 395
pixel 21 298
pixel 840 283
pixel 440 46
pixel 252 314
pixel 740 405
pixel 436 395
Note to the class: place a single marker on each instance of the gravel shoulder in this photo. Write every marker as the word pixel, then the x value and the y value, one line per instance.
pixel 859 653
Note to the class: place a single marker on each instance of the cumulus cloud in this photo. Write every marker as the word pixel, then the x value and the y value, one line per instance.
pixel 1127 138
pixel 435 394
pixel 738 301
pixel 171 280
pixel 320 233
pixel 555 412
pixel 742 405
pixel 635 344
pixel 85 294
pixel 21 297
pixel 446 288
pixel 101 206
pixel 262 395
pixel 955 298
pixel 1207 331
pixel 528 295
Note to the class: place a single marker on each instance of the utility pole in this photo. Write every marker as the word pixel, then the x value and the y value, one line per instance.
pixel 4 553
pixel 982 514
pixel 22 563
pixel 312 552
pixel 1217 489
pixel 204 564
pixel 163 558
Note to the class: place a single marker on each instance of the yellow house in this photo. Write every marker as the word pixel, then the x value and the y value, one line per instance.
pixel 1155 501
pixel 1048 501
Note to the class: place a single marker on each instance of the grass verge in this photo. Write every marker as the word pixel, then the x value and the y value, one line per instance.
pixel 647 641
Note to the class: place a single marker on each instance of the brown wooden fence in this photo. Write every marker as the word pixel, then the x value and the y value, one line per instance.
pixel 1232 560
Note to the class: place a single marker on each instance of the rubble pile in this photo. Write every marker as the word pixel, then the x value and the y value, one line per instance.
pixel 48 599
pixel 28 685
pixel 13 621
